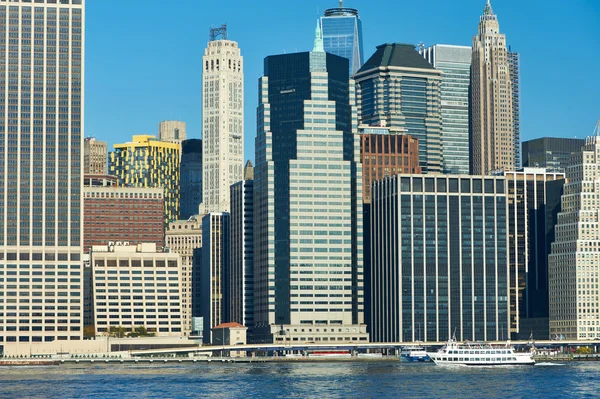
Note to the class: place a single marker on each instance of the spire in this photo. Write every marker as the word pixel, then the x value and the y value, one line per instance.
pixel 488 8
pixel 341 3
pixel 318 38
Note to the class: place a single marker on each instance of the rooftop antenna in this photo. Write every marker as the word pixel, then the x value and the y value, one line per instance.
pixel 219 33
pixel 597 129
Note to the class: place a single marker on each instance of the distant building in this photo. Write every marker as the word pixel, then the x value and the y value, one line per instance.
pixel 215 278
pixel 439 259
pixel 550 152
pixel 385 153
pixel 190 182
pixel 514 64
pixel 127 214
pixel 574 263
pixel 95 157
pixel 455 63
pixel 136 286
pixel 242 250
pixel 172 131
pixel 342 35
pixel 399 89
pixel 230 334
pixel 183 237
pixel 147 162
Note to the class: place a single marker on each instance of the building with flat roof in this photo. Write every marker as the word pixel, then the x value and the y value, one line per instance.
pixel 342 35
pixel 95 157
pixel 172 131
pixel 554 153
pixel 190 182
pixel 136 286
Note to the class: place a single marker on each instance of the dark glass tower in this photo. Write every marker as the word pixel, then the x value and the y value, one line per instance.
pixel 190 180
pixel 342 35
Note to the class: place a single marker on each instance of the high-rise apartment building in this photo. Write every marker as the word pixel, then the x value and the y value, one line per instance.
pixel 147 162
pixel 41 145
pixel 514 65
pixel 183 237
pixel 241 270
pixel 532 210
pixel 214 280
pixel 455 64
pixel 172 131
pixel 308 277
pixel 385 153
pixel 190 181
pixel 399 89
pixel 492 109
pixel 554 153
pixel 575 260
pixel 95 157
pixel 342 35
pixel 439 259
pixel 222 120
pixel 136 286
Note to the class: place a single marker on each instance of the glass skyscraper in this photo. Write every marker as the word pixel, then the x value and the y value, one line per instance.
pixel 342 35
pixel 190 180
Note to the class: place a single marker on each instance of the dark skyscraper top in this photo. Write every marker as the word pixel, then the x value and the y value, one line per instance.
pixel 342 35
pixel 550 152
pixel 190 178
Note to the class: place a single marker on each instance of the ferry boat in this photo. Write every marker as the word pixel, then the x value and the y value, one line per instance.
pixel 413 354
pixel 480 354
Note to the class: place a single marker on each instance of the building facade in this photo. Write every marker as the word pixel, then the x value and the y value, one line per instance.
pixel 183 237
pixel 574 263
pixel 455 64
pixel 95 157
pixel 514 65
pixel 554 153
pixel 214 284
pixel 384 153
pixel 308 277
pixel 41 151
pixel 147 162
pixel 242 250
pixel 342 35
pixel 222 122
pixel 126 214
pixel 190 182
pixel 492 114
pixel 399 89
pixel 172 131
pixel 532 210
pixel 136 286
pixel 439 259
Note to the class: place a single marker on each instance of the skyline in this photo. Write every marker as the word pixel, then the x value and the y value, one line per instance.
pixel 121 103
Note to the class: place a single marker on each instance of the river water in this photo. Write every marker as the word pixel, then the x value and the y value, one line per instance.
pixel 301 380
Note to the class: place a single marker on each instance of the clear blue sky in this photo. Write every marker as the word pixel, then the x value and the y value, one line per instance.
pixel 143 57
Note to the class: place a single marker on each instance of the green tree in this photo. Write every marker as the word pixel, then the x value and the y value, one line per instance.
pixel 89 332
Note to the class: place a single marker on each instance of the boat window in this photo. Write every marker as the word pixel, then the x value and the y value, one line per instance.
pixel 476 359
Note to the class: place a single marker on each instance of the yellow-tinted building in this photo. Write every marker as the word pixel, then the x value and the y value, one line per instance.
pixel 148 162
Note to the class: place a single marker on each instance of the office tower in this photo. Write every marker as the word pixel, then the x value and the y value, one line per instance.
pixel 222 120
pixel 553 153
pixel 141 284
pixel 190 182
pixel 95 157
pixel 399 89
pixel 147 162
pixel 242 249
pixel 513 63
pixel 172 131
pixel 183 237
pixel 530 233
pixel 127 214
pixel 41 145
pixel 383 153
pixel 342 35
pixel 214 297
pixel 455 64
pixel 439 259
pixel 308 278
pixel 575 259
pixel 492 115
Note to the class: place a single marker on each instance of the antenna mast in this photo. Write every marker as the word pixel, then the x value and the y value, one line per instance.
pixel 219 33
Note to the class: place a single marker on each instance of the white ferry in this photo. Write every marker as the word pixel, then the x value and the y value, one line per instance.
pixel 480 354
pixel 413 354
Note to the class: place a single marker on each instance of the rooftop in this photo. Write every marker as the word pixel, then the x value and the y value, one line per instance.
pixel 396 55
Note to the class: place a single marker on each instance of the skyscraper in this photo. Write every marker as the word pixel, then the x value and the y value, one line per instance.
pixel 41 145
pixel 575 260
pixel 95 157
pixel 147 162
pixel 222 120
pixel 342 35
pixel 399 89
pixel 550 152
pixel 513 62
pixel 190 181
pixel 308 277
pixel 455 63
pixel 172 131
pixel 492 115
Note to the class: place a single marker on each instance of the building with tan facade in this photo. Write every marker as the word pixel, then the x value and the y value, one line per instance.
pixel 172 131
pixel 95 157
